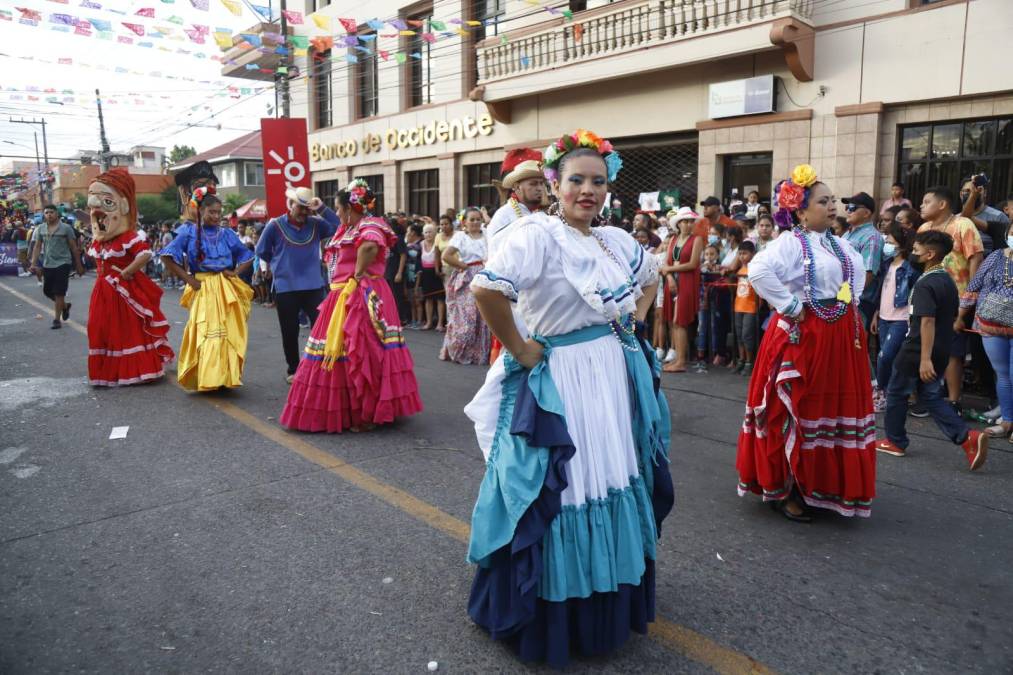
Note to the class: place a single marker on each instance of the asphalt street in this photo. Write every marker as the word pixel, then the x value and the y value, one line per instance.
pixel 210 540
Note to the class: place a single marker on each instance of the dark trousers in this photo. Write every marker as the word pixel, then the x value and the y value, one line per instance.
pixel 930 394
pixel 289 305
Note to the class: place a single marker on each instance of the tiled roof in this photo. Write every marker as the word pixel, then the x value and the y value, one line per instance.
pixel 245 147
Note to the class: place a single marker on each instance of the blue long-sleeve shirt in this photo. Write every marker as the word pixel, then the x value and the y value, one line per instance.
pixel 294 253
pixel 220 246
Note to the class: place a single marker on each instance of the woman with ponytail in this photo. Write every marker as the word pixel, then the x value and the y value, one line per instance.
pixel 210 258
pixel 356 372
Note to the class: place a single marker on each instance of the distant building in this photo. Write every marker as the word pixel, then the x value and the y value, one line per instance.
pixel 239 165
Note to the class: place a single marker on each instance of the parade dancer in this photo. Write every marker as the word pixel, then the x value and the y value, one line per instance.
pixel 467 338
pixel 572 425
pixel 213 351
pixel 290 244
pixel 809 433
pixel 197 175
pixel 521 179
pixel 357 371
pixel 127 332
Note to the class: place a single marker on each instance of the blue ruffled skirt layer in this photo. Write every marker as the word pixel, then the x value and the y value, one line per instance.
pixel 552 578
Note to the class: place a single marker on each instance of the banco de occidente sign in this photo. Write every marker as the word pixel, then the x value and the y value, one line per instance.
pixel 431 133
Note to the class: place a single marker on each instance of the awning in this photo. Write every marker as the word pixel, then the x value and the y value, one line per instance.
pixel 255 209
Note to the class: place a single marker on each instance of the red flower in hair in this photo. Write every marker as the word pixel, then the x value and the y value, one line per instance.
pixel 790 196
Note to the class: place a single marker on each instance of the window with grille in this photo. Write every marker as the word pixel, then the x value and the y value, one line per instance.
pixel 481 191
pixel 489 13
pixel 326 190
pixel 322 89
pixel 944 153
pixel 253 173
pixel 424 192
pixel 664 164
pixel 367 87
pixel 419 64
pixel 375 184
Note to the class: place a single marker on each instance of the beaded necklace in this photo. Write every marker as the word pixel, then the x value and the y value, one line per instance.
pixel 845 298
pixel 935 270
pixel 291 239
pixel 516 206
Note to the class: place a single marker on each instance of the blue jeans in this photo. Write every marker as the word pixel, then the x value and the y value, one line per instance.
pixel 891 337
pixel 703 331
pixel 930 394
pixel 1000 354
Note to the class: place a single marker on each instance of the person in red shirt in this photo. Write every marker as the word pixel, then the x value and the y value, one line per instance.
pixel 712 213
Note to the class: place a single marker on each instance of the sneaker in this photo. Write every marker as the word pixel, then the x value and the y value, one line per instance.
pixel 957 408
pixel 747 369
pixel 670 356
pixel 290 378
pixel 66 311
pixel 878 400
pixel 976 449
pixel 886 446
pixel 918 410
pixel 56 324
pixel 659 353
pixel 738 367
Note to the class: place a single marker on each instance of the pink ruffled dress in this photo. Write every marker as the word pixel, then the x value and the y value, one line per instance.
pixel 369 378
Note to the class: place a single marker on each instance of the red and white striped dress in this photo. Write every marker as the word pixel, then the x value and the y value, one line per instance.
pixel 127 332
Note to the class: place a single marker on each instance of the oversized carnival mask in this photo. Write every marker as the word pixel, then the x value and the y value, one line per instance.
pixel 110 212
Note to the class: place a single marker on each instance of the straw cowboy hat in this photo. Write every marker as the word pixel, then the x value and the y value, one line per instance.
pixel 302 196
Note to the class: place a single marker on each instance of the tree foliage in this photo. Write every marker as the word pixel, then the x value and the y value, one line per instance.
pixel 181 152
pixel 232 202
pixel 153 209
pixel 80 200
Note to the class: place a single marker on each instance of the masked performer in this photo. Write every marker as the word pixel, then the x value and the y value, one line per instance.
pixel 127 333
pixel 214 341
pixel 522 181
pixel 197 175
pixel 572 424
pixel 357 371
pixel 809 434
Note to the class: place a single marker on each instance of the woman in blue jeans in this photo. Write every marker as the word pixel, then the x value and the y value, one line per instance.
pixel 894 282
pixel 990 296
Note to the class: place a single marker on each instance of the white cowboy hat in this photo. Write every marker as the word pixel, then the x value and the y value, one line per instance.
pixel 684 213
pixel 300 195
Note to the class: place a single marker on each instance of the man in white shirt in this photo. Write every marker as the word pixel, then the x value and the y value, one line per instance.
pixel 521 177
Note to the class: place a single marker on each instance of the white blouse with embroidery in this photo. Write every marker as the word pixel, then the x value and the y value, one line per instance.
pixel 470 250
pixel 563 280
pixel 777 273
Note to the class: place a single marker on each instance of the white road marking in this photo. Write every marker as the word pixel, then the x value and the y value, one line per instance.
pixel 46 391
pixel 8 455
pixel 25 471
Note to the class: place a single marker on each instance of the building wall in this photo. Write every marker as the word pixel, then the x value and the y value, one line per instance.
pixel 876 63
pixel 240 187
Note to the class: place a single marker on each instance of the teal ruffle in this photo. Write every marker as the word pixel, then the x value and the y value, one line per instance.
pixel 594 547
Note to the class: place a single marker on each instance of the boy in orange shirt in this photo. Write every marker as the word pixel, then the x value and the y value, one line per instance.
pixel 747 310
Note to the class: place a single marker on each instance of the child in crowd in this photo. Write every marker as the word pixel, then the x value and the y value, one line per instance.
pixel 660 321
pixel 710 272
pixel 413 240
pixel 925 353
pixel 889 323
pixel 747 311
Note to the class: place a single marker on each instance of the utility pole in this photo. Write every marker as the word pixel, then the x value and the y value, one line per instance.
pixel 104 158
pixel 283 80
pixel 43 179
pixel 38 165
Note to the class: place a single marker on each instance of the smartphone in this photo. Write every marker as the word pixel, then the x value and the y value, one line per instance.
pixel 979 180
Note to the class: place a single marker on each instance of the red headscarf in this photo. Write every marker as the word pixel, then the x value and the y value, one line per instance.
pixel 120 180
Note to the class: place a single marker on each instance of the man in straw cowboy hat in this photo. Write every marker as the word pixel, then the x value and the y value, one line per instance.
pixel 290 245
pixel 523 186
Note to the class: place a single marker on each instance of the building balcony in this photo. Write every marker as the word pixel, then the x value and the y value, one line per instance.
pixel 632 37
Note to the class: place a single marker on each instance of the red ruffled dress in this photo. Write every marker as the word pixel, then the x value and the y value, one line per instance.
pixel 127 332
pixel 372 378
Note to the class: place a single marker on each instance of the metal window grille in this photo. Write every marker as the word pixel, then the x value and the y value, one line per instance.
pixel 944 153
pixel 481 191
pixel 375 184
pixel 424 192
pixel 368 78
pixel 326 190
pixel 656 165
pixel 420 69
pixel 323 92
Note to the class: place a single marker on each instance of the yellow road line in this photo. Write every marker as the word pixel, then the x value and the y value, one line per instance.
pixel 672 636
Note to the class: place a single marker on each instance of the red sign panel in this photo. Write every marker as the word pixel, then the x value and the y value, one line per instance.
pixel 286 160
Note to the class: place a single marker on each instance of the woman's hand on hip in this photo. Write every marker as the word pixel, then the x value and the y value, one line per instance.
pixel 530 355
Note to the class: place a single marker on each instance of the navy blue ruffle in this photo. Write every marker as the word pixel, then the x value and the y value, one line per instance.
pixel 663 495
pixel 504 593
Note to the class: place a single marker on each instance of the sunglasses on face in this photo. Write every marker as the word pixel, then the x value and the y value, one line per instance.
pixel 851 208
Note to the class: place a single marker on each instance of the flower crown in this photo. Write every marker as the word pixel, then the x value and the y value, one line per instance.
pixel 793 194
pixel 464 212
pixel 360 197
pixel 197 198
pixel 580 139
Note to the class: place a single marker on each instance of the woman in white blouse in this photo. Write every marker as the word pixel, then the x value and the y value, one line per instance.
pixel 467 339
pixel 809 434
pixel 573 428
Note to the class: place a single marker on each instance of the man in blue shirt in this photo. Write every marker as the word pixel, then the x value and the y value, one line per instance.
pixel 290 245
pixel 863 235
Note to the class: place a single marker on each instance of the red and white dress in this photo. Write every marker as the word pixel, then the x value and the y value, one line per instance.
pixel 356 370
pixel 127 332
pixel 809 420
